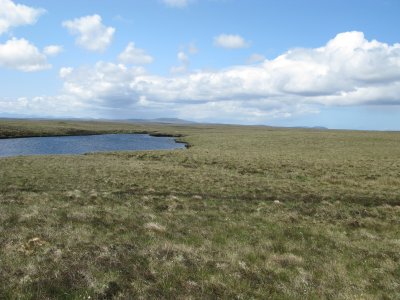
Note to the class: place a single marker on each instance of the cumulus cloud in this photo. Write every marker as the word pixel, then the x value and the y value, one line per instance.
pixel 92 34
pixel 348 70
pixel 177 3
pixel 52 50
pixel 13 15
pixel 230 41
pixel 183 58
pixel 348 63
pixel 184 61
pixel 65 71
pixel 135 56
pixel 21 55
pixel 106 83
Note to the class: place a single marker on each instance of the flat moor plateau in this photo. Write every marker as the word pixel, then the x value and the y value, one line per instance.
pixel 245 212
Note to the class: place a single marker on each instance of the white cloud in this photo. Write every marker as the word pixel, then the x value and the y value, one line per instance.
pixel 348 70
pixel 92 34
pixel 64 72
pixel 52 50
pixel 13 15
pixel 182 57
pixel 230 41
pixel 135 56
pixel 184 61
pixel 177 3
pixel 21 55
pixel 105 82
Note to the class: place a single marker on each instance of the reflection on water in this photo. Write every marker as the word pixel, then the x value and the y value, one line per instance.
pixel 85 144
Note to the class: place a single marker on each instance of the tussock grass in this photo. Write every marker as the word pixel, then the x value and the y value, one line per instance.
pixel 245 212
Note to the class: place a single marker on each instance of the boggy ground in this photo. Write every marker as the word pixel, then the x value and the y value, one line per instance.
pixel 245 212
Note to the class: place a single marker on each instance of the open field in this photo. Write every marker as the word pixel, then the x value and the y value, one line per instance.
pixel 244 213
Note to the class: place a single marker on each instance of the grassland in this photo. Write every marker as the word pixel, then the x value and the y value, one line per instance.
pixel 244 213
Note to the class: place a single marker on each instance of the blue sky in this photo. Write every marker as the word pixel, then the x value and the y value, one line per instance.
pixel 287 62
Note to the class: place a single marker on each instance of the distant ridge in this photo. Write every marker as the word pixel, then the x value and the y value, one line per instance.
pixel 158 120
pixel 176 121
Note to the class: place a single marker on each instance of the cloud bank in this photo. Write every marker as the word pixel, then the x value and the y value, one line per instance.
pixel 348 70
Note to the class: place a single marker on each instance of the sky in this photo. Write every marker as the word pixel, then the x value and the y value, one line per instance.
pixel 273 62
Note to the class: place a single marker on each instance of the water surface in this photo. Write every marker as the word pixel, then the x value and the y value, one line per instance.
pixel 85 144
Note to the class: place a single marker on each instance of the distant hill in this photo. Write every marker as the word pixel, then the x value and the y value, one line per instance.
pixel 158 120
pixel 176 121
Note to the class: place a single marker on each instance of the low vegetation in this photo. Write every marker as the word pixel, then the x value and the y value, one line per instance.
pixel 244 213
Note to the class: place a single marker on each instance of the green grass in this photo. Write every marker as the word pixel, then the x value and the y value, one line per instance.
pixel 244 213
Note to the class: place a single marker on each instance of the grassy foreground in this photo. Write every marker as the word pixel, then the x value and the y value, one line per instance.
pixel 244 213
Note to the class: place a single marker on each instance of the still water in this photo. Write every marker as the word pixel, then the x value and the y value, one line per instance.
pixel 85 144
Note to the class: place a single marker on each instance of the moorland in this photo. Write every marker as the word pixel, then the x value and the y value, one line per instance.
pixel 246 212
